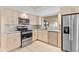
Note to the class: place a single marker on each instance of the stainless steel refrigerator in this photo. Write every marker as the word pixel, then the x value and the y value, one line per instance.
pixel 70 32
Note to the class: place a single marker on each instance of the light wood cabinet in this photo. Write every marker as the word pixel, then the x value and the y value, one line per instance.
pixel 31 19
pixel 53 37
pixel 43 35
pixel 69 9
pixel 13 41
pixel 14 17
pixel 59 39
pixel 39 20
pixel 34 35
pixel 35 20
pixel 40 37
pixel 7 16
pixel 10 16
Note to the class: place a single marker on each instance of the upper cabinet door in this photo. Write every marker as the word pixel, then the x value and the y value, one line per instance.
pixel 40 21
pixel 14 17
pixel 10 16
pixel 35 20
pixel 31 18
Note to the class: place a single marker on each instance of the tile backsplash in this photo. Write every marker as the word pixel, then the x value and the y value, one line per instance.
pixel 10 27
pixel 53 26
pixel 13 27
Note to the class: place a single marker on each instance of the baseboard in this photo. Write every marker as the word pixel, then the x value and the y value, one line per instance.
pixel 48 43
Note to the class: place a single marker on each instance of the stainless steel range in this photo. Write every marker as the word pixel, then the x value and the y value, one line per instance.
pixel 26 35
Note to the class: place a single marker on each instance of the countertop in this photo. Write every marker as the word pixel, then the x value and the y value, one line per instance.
pixel 47 30
pixel 54 30
pixel 10 32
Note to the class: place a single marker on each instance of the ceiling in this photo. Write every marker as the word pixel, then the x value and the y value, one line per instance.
pixel 37 10
pixel 35 7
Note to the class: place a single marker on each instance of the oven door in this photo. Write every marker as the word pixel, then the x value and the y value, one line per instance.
pixel 27 35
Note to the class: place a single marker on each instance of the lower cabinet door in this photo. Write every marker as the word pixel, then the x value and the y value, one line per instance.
pixel 53 37
pixel 34 35
pixel 45 36
pixel 13 43
pixel 40 35
pixel 10 44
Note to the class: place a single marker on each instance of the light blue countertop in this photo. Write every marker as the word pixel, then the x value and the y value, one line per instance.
pixel 54 30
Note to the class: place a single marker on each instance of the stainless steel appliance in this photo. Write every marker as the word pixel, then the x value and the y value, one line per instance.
pixel 26 35
pixel 23 21
pixel 70 32
pixel 26 38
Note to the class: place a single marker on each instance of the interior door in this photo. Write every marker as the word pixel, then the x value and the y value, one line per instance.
pixel 66 38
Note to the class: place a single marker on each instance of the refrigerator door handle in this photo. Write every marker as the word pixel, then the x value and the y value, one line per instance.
pixel 71 30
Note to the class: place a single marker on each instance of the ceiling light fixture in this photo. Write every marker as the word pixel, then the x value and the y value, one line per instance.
pixel 23 15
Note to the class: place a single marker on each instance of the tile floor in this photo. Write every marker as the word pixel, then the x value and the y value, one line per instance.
pixel 38 46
